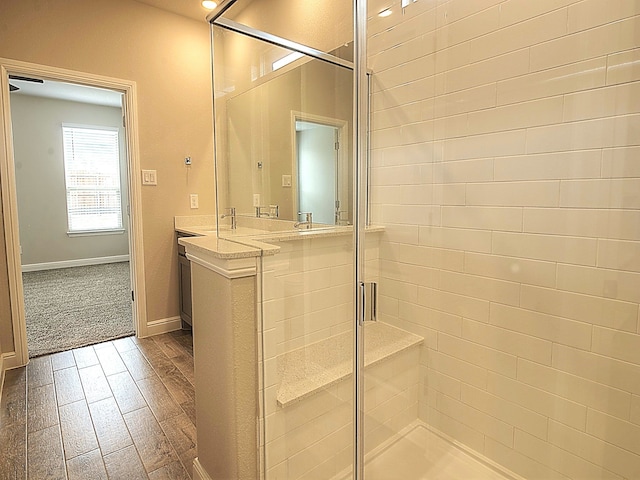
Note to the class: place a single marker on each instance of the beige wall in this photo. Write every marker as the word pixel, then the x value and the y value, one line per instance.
pixel 168 57
pixel 42 207
pixel 505 156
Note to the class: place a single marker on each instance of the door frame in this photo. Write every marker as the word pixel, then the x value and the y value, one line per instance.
pixel 8 191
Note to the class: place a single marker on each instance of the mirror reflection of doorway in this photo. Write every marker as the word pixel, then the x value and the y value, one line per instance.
pixel 318 156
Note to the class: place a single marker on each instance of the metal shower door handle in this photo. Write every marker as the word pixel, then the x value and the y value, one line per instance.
pixel 369 298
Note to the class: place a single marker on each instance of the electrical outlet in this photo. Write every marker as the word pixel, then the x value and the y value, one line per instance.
pixel 286 180
pixel 256 199
pixel 149 177
pixel 193 198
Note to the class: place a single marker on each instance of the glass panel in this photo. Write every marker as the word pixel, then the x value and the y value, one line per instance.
pixel 325 26
pixel 282 131
pixel 283 136
pixel 505 173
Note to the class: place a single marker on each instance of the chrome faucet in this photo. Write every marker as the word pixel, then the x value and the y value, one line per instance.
pixel 273 211
pixel 260 213
pixel 232 214
pixel 308 222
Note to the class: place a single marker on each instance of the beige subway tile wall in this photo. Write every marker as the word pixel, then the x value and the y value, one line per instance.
pixel 505 143
pixel 307 302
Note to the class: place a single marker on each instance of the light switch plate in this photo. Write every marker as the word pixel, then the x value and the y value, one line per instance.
pixel 193 199
pixel 149 177
pixel 286 180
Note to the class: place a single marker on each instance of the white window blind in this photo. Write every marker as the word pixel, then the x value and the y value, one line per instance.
pixel 92 174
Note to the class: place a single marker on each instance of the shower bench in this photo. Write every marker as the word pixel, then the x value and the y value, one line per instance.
pixel 316 366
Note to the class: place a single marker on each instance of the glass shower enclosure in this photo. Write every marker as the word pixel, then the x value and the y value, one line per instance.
pixel 453 188
pixel 285 166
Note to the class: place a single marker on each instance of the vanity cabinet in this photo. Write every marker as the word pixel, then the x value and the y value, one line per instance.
pixel 225 344
pixel 184 274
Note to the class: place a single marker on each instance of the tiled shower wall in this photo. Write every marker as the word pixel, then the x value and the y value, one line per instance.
pixel 307 297
pixel 506 170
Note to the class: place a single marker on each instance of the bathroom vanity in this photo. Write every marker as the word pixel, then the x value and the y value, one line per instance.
pixel 225 336
pixel 225 352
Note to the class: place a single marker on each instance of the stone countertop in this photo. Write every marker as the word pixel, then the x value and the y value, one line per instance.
pixel 201 230
pixel 241 234
pixel 244 242
pixel 316 232
pixel 219 247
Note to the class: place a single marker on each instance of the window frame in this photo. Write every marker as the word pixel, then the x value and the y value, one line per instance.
pixel 97 231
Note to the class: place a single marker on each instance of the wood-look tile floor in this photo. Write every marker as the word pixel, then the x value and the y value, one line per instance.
pixel 119 410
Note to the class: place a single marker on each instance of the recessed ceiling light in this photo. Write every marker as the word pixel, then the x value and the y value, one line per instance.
pixel 209 5
pixel 385 13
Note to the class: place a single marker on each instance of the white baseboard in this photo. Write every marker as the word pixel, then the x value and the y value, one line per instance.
pixel 199 473
pixel 81 262
pixel 163 325
pixel 7 362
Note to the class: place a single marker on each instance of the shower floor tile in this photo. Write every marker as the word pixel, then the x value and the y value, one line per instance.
pixel 421 454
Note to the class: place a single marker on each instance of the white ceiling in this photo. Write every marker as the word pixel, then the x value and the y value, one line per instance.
pixel 68 91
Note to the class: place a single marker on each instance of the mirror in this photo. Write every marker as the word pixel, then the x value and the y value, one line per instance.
pixel 287 142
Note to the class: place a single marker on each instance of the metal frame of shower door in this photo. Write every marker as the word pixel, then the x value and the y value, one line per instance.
pixel 215 18
pixel 282 42
pixel 360 133
pixel 360 166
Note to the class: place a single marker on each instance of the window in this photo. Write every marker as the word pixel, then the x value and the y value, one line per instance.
pixel 92 175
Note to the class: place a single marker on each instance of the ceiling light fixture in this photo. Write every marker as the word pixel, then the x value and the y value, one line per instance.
pixel 209 5
pixel 385 13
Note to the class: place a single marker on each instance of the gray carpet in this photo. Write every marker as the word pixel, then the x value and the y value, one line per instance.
pixel 75 307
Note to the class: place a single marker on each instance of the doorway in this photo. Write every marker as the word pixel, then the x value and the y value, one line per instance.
pixel 71 167
pixel 317 164
pixel 321 167
pixel 130 202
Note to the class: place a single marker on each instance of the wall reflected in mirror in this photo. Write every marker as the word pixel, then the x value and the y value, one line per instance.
pixel 283 132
